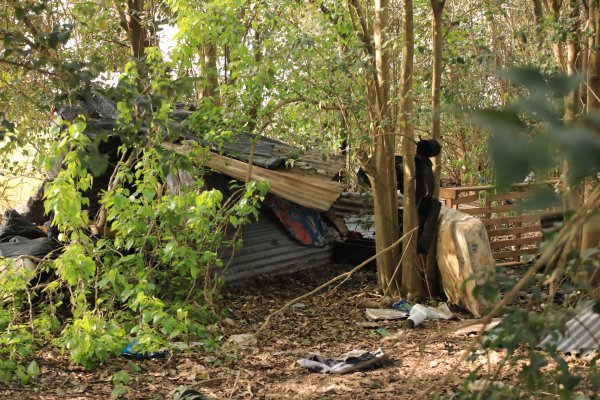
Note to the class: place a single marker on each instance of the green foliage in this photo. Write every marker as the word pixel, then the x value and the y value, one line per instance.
pixel 529 135
pixel 155 280
pixel 120 380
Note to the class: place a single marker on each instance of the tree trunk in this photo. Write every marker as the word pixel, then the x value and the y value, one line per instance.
pixel 539 17
pixel 557 47
pixel 138 38
pixel 591 230
pixel 572 105
pixel 436 83
pixel 413 285
pixel 209 68
pixel 384 177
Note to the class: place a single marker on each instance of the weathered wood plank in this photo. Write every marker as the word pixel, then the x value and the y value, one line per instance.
pixel 498 244
pixel 490 210
pixel 513 231
pixel 514 253
pixel 511 220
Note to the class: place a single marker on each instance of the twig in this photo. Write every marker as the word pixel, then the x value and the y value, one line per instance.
pixel 345 275
pixel 32 258
pixel 398 267
pixel 235 384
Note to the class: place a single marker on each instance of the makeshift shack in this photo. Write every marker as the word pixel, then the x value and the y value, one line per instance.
pixel 291 233
pixel 307 217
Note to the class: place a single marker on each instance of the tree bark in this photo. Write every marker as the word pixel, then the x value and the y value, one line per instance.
pixel 538 12
pixel 436 83
pixel 383 175
pixel 209 68
pixel 572 100
pixel 557 47
pixel 138 38
pixel 591 230
pixel 413 284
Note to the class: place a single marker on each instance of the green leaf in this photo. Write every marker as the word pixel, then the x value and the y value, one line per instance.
pixel 582 150
pixel 119 391
pixel 33 370
pixel 121 377
pixel 134 367
pixel 528 77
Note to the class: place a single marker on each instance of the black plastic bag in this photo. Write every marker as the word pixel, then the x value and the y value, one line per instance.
pixel 14 224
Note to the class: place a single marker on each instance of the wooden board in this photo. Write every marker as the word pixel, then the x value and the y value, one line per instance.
pixel 490 210
pixel 498 244
pixel 511 220
pixel 514 253
pixel 310 191
pixel 513 231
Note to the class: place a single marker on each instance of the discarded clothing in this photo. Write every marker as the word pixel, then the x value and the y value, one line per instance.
pixel 305 225
pixel 428 207
pixel 402 305
pixel 355 360
pixel 20 246
pixel 129 353
pixel 187 393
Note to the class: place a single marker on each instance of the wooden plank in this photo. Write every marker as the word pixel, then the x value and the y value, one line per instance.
pixel 466 199
pixel 511 220
pixel 509 264
pixel 515 242
pixel 448 193
pixel 513 231
pixel 488 187
pixel 490 210
pixel 514 253
pixel 310 191
pixel 511 196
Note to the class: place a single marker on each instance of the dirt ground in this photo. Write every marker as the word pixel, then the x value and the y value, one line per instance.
pixel 329 323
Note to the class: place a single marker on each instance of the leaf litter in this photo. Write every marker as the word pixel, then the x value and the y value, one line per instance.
pixel 329 323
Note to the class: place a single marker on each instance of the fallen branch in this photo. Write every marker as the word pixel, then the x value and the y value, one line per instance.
pixel 345 275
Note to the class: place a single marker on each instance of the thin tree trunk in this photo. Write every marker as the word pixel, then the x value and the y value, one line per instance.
pixel 539 16
pixel 138 38
pixel 209 54
pixel 384 180
pixel 557 47
pixel 498 62
pixel 591 230
pixel 436 82
pixel 413 285
pixel 572 105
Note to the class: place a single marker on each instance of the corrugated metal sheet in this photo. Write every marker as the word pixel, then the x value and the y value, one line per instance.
pixel 582 334
pixel 272 154
pixel 309 191
pixel 269 250
pixel 263 156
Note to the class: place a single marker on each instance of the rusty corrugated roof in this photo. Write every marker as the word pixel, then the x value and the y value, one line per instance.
pixel 314 192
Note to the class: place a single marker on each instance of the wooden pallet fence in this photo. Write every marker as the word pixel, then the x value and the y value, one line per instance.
pixel 513 233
